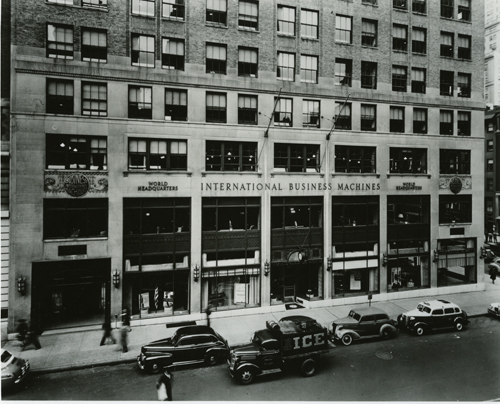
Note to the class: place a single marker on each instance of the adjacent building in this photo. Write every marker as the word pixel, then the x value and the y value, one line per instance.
pixel 242 155
pixel 492 52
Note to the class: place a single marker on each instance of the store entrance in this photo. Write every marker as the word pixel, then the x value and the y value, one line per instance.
pixel 292 280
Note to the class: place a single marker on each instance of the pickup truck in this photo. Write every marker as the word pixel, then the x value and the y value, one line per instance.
pixel 294 340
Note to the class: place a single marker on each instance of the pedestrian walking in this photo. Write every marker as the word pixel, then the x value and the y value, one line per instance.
pixel 124 330
pixel 164 386
pixel 208 311
pixel 32 339
pixel 493 273
pixel 107 335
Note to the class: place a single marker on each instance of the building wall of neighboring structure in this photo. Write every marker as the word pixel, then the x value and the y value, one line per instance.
pixel 492 52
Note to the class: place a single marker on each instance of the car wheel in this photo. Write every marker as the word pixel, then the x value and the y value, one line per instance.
pixel 386 333
pixel 246 376
pixel 308 368
pixel 211 359
pixel 459 326
pixel 420 331
pixel 155 368
pixel 347 339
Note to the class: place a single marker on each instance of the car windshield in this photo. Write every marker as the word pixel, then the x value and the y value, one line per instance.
pixel 423 308
pixel 175 338
pixel 354 315
pixel 6 355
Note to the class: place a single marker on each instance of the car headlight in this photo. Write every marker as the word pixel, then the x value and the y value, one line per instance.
pixel 412 318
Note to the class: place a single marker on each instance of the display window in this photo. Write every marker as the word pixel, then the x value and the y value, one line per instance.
pixel 457 261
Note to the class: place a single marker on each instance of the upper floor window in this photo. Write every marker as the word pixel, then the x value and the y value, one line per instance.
pixel 143 50
pixel 463 82
pixel 140 102
pixel 445 122
pixel 308 69
pixel 143 7
pixel 419 6
pixel 94 45
pixel 446 83
pixel 296 157
pixel 399 78
pixel 175 105
pixel 216 107
pixel 217 12
pixel 397 119
pixel 464 10
pixel 490 146
pixel 343 72
pixel 464 47
pixel 447 8
pixel 60 96
pixel 355 159
pixel 174 9
pixel 463 123
pixel 418 80
pixel 157 154
pixel 286 66
pixel 310 113
pixel 248 15
pixel 419 120
pixel 65 152
pixel 368 32
pixel 400 4
pixel 408 160
pixel 447 44
pixel 94 99
pixel 452 161
pixel 216 59
pixel 309 24
pixel 369 75
pixel 247 109
pixel 286 20
pixel 343 29
pixel 59 41
pixel 489 184
pixel 419 40
pixel 490 165
pixel 247 62
pixel 231 156
pixel 455 209
pixel 172 55
pixel 283 113
pixel 400 37
pixel 343 119
pixel 368 117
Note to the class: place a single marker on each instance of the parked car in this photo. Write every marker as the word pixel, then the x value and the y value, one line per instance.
pixel 14 370
pixel 188 345
pixel 432 315
pixel 494 309
pixel 367 322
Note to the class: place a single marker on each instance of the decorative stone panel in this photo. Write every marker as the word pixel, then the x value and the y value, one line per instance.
pixel 75 183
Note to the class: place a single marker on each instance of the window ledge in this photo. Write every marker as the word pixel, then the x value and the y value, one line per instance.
pixel 215 25
pixel 403 10
pixel 255 31
pixel 408 175
pixel 152 17
pixel 400 51
pixel 74 170
pixel 455 225
pixel 72 239
pixel 209 173
pixel 170 19
pixel 290 173
pixel 377 175
pixel 153 172
pixel 286 35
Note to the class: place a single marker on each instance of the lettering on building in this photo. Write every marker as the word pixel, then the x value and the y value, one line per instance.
pixel 157 186
pixel 408 186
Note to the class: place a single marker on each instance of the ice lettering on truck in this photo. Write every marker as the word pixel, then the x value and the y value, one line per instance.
pixel 307 341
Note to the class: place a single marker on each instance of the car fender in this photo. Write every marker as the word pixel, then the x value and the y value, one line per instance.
pixel 389 327
pixel 340 333
pixel 248 365
pixel 419 323
pixel 163 358
pixel 218 350
pixel 464 321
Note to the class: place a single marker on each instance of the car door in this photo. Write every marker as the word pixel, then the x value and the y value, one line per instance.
pixel 201 344
pixel 367 325
pixel 269 355
pixel 437 318
pixel 380 320
pixel 449 316
pixel 184 351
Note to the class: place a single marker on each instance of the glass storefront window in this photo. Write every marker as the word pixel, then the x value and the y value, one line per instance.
pixel 457 262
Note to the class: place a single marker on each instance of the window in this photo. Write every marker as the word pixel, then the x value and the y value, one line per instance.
pixel 464 47
pixel 463 122
pixel 309 24
pixel 343 116
pixel 247 109
pixel 452 161
pixel 418 80
pixel 463 82
pixel 286 66
pixel 143 7
pixel 490 146
pixel 156 154
pixel 94 3
pixel 286 20
pixel 216 108
pixel 400 37
pixel 408 160
pixel 59 96
pixel 283 113
pixel 455 209
pixel 355 159
pixel 447 8
pixel 397 119
pixel 217 12
pixel 343 29
pixel 489 184
pixel 447 44
pixel 368 75
pixel 368 32
pixel 174 9
pixel 419 120
pixel 216 59
pixel 75 218
pixel 172 55
pixel 464 10
pixel 248 15
pixel 308 69
pixel 399 78
pixel 419 6
pixel 489 205
pixel 310 113
pixel 59 41
pixel 446 83
pixel 65 152
pixel 94 99
pixel 143 50
pixel 445 122
pixel 94 45
pixel 296 157
pixel 175 105
pixel 368 117
pixel 343 72
pixel 247 62
pixel 400 4
pixel 231 156
pixel 140 102
pixel 490 165
pixel 419 40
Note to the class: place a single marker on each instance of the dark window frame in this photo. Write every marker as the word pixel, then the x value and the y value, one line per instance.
pixel 231 156
pixel 60 49
pixel 454 161
pixel 346 78
pixel 417 46
pixel 447 50
pixel 399 81
pixel 400 44
pixel 294 157
pixel 60 103
pixel 343 35
pixel 283 113
pixel 464 125
pixel 151 161
pixel 248 20
pixel 400 4
pixel 91 52
pixel 464 85
pixel 177 10
pixel 311 119
pixel 173 61
pixel 369 122
pixel 248 68
pixel 309 75
pixel 75 152
pixel 92 105
pixel 396 125
pixel 418 86
pixel 446 82
pixel 216 113
pixel 369 39
pixel 447 8
pixel 355 159
pixel 419 6
pixel 176 104
pixel 445 126
pixel 455 209
pixel 247 115
pixel 217 17
pixel 420 126
pixel 140 109
pixel 286 26
pixel 217 66
pixel 401 160
pixel 369 75
pixel 309 29
pixel 137 54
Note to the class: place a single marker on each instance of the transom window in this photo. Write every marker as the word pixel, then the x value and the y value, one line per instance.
pixel 368 75
pixel 247 62
pixel 355 159
pixel 368 117
pixel 143 7
pixel 445 122
pixel 308 69
pixel 59 41
pixel 172 56
pixel 286 66
pixel 343 116
pixel 283 113
pixel 419 120
pixel 217 12
pixel 400 37
pixel 94 99
pixel 419 40
pixel 408 160
pixel 286 20
pixel 399 78
pixel 143 50
pixel 140 102
pixel 157 154
pixel 247 109
pixel 452 161
pixel 296 157
pixel 463 82
pixel 65 152
pixel 216 108
pixel 343 29
pixel 418 80
pixel 368 32
pixel 173 9
pixel 397 119
pixel 248 15
pixel 94 45
pixel 175 105
pixel 310 113
pixel 309 24
pixel 59 96
pixel 463 123
pixel 231 156
pixel 343 72
pixel 216 59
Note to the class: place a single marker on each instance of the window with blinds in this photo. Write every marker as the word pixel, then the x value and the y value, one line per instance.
pixel 400 37
pixel 216 108
pixel 172 55
pixel 464 47
pixel 419 40
pixel 286 66
pixel 420 120
pixel 216 59
pixel 308 69
pixel 247 109
pixel 445 122
pixel 309 24
pixel 343 119
pixel 94 45
pixel 446 39
pixel 397 119
pixel 418 80
pixel 248 15
pixel 175 105
pixel 247 62
pixel 463 123
pixel 368 117
pixel 216 12
pixel 399 78
pixel 368 32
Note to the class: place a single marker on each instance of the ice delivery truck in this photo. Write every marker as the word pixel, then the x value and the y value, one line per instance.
pixel 293 341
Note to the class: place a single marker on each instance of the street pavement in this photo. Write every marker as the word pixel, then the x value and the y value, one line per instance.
pixel 79 348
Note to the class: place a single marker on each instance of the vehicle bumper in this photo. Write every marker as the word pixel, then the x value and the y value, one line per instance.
pixel 140 362
pixel 494 312
pixel 230 367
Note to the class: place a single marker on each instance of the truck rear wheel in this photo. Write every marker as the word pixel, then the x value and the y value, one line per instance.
pixel 308 368
pixel 246 375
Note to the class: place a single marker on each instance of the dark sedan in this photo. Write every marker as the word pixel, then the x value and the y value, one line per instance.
pixel 188 345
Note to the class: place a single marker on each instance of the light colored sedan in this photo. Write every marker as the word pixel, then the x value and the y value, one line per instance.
pixel 14 370
pixel 494 309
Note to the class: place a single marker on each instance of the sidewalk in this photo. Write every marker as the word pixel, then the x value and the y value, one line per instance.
pixel 77 349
